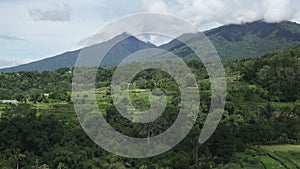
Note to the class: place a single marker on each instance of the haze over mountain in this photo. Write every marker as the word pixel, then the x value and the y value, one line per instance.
pixel 234 41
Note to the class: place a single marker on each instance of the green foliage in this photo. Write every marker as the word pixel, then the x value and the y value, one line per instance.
pixel 278 73
pixel 35 86
pixel 261 109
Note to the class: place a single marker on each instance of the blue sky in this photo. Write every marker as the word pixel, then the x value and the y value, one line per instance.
pixel 33 29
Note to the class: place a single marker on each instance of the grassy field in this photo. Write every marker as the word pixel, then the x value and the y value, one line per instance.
pixel 288 154
pixel 271 156
pixel 2 107
pixel 282 148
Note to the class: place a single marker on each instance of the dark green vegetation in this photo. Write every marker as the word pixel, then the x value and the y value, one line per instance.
pixel 239 41
pixel 34 86
pixel 231 42
pixel 254 39
pixel 262 108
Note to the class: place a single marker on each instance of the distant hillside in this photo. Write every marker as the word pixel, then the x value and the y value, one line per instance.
pixel 234 41
pixel 278 73
pixel 238 41
pixel 68 59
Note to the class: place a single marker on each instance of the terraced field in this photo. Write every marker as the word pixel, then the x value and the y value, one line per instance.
pixel 273 157
pixel 2 107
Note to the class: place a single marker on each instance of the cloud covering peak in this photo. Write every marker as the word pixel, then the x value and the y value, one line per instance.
pixel 201 12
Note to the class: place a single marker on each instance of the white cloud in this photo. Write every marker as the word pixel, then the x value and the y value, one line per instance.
pixel 10 38
pixel 154 5
pixel 201 12
pixel 277 10
pixel 9 63
pixel 56 12
pixel 86 17
pixel 296 18
pixel 165 26
pixel 47 38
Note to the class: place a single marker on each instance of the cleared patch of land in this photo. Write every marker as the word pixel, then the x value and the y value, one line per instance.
pixel 283 148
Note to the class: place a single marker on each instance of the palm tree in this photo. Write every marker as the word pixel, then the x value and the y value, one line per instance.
pixel 17 156
pixel 268 110
pixel 38 166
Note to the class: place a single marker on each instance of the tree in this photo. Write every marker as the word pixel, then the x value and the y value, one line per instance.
pixel 21 97
pixel 17 156
pixel 267 111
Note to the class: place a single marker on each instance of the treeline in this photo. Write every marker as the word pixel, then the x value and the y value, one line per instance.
pixel 36 86
pixel 275 75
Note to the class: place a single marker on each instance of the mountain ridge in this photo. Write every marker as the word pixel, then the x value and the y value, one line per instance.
pixel 240 41
pixel 232 41
pixel 128 45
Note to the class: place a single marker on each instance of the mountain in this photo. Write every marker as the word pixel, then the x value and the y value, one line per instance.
pixel 124 48
pixel 233 41
pixel 238 41
pixel 66 59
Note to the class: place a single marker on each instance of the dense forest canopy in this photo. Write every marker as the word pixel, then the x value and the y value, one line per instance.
pixel 262 108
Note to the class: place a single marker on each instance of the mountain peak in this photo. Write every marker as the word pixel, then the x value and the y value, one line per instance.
pixel 126 45
pixel 123 35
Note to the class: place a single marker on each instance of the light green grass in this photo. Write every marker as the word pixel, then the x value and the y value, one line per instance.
pixel 271 156
pixel 2 107
pixel 284 148
pixel 289 154
pixel 290 159
pixel 294 157
pixel 270 162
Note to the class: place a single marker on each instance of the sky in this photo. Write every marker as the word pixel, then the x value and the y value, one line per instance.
pixel 31 30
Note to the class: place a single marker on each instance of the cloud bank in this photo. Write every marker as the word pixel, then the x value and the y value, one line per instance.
pixel 9 63
pixel 10 38
pixel 204 13
pixel 51 27
pixel 56 12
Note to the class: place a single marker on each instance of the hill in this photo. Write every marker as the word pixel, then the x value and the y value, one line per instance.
pixel 276 72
